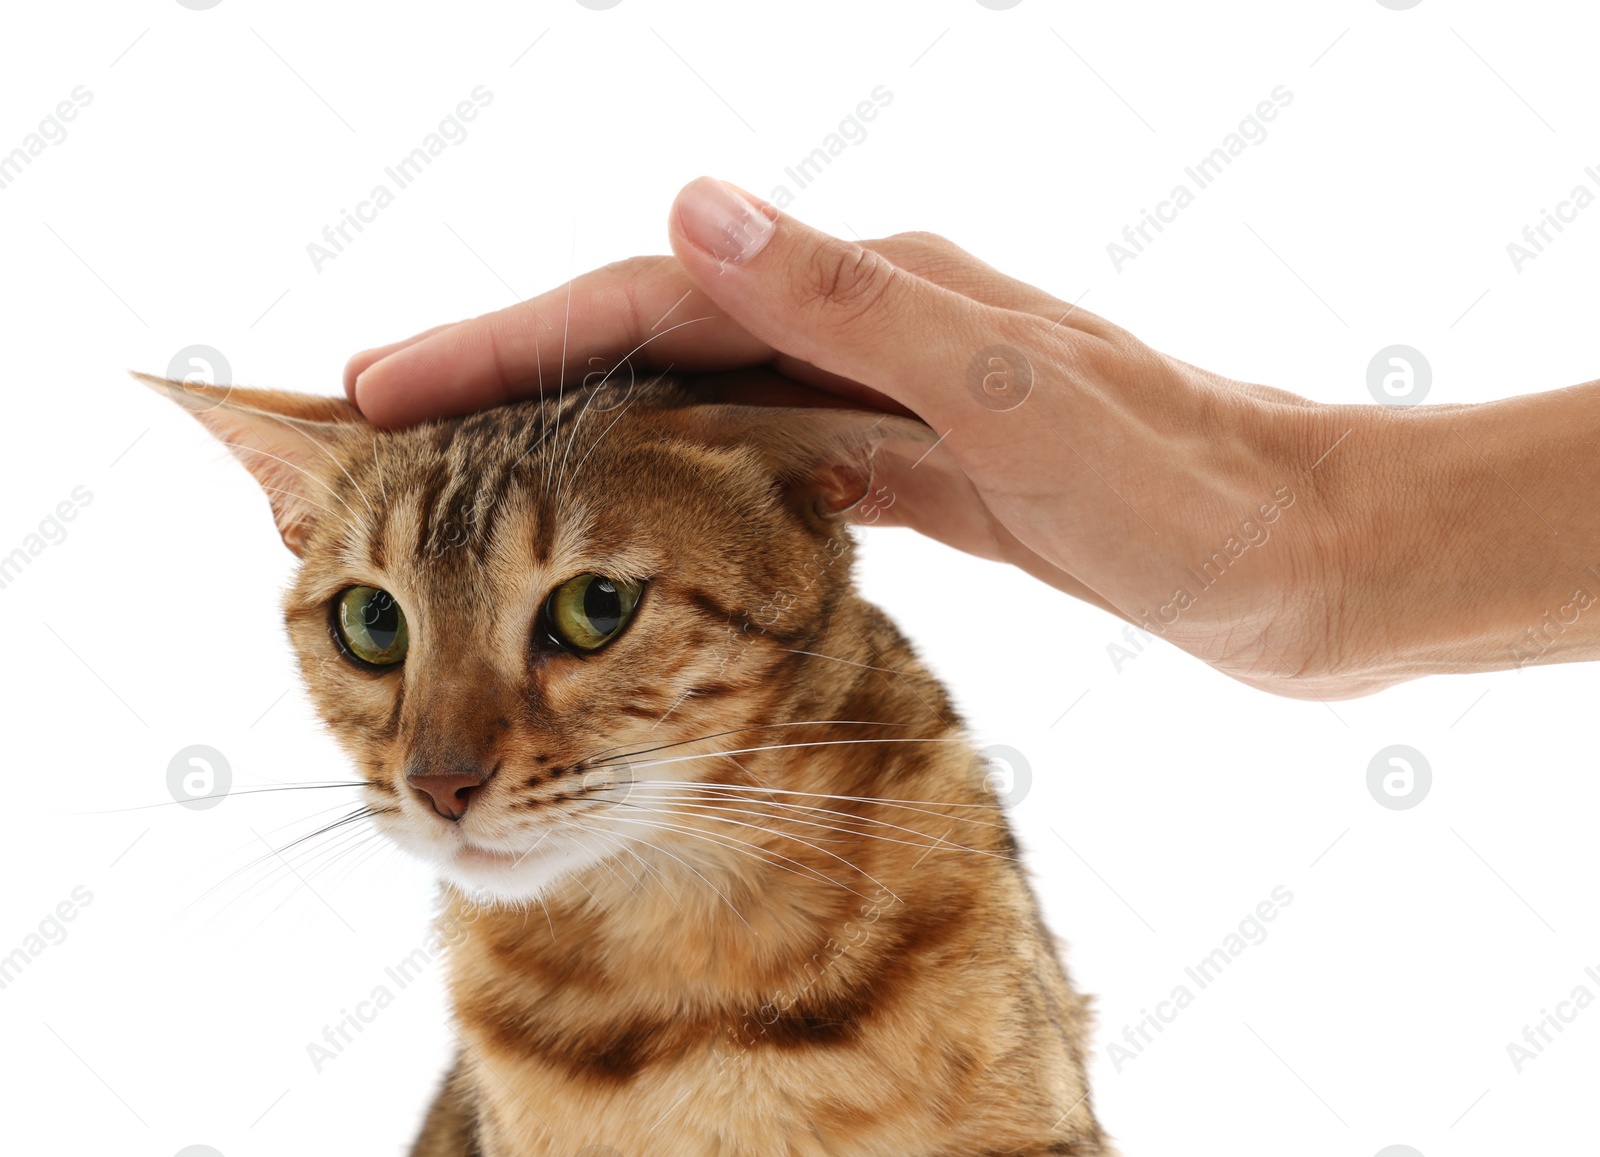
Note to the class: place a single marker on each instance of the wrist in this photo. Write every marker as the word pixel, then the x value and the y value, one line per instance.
pixel 1454 536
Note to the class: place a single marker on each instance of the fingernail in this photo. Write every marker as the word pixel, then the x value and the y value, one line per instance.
pixel 723 221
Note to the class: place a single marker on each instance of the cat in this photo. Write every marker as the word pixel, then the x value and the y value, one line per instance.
pixel 723 871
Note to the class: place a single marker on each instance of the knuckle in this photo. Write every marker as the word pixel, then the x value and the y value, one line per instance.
pixel 922 239
pixel 937 259
pixel 1045 348
pixel 851 283
pixel 922 251
pixel 620 287
pixel 1027 332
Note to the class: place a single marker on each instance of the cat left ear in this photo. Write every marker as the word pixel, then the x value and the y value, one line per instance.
pixel 828 458
pixel 286 440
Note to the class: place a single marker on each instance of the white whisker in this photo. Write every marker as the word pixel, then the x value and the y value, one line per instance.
pixel 757 847
pixel 691 867
pixel 741 791
pixel 836 659
pixel 719 842
pixel 848 831
pixel 605 751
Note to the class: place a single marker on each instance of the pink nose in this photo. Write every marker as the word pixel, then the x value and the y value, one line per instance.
pixel 449 792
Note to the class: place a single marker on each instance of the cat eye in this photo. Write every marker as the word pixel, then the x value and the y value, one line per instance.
pixel 586 613
pixel 371 626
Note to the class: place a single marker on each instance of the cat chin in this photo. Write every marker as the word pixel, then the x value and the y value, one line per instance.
pixel 498 877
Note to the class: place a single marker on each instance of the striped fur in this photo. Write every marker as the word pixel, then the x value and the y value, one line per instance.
pixel 766 903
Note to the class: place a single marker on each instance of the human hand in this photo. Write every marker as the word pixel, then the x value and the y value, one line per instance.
pixel 1214 513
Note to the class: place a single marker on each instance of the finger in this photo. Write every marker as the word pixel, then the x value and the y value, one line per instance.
pixel 839 306
pixel 513 352
pixel 943 262
pixel 359 362
pixel 490 359
pixel 645 307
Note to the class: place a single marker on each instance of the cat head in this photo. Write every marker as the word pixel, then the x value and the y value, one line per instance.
pixel 510 620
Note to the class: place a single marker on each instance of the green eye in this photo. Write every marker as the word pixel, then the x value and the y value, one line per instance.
pixel 589 611
pixel 372 625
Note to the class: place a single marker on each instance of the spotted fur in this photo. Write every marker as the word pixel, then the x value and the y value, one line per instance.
pixel 766 902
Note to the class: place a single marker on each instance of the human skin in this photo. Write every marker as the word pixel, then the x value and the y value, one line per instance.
pixel 1413 541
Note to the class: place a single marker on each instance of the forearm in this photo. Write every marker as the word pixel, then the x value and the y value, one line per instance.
pixel 1465 538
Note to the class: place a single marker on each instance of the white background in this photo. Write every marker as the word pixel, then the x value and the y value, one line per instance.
pixel 219 143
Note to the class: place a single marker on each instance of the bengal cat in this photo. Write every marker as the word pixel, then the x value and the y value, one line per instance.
pixel 729 878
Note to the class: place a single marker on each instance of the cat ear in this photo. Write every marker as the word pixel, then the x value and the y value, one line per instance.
pixel 286 440
pixel 831 461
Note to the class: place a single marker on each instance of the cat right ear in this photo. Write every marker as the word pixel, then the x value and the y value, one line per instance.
pixel 287 441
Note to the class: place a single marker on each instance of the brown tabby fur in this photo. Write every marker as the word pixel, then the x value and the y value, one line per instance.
pixel 853 964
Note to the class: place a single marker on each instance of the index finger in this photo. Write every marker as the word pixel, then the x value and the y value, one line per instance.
pixel 645 308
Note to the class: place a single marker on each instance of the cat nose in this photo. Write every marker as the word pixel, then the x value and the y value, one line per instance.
pixel 449 791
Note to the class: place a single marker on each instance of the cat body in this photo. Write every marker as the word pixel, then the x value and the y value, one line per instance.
pixel 723 872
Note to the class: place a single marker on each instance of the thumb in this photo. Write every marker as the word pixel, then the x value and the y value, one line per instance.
pixel 833 303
